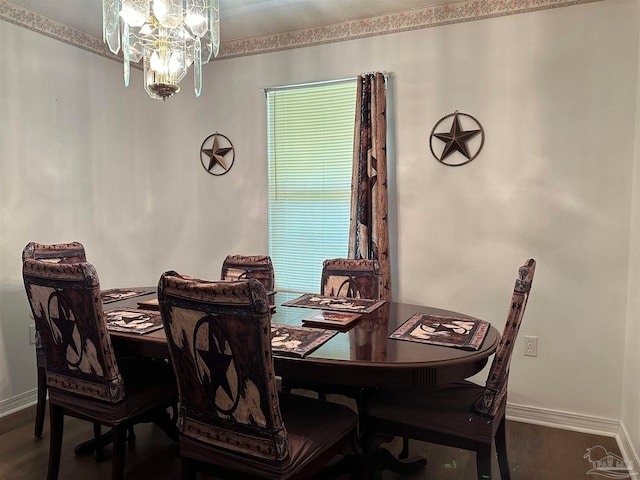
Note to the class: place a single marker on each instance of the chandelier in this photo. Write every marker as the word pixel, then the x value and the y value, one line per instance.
pixel 167 35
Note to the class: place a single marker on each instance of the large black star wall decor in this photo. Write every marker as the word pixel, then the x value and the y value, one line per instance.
pixel 456 140
pixel 217 154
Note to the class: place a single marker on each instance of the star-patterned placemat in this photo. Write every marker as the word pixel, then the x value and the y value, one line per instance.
pixel 297 341
pixel 458 332
pixel 339 304
pixel 116 294
pixel 133 320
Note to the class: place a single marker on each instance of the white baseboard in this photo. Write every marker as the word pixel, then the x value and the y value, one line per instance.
pixel 565 420
pixel 19 402
pixel 628 452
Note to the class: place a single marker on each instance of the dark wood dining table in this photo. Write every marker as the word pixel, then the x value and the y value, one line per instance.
pixel 363 356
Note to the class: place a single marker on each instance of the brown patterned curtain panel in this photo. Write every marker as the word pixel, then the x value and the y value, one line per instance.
pixel 369 230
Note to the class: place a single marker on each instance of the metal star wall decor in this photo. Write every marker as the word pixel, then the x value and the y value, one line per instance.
pixel 457 139
pixel 217 154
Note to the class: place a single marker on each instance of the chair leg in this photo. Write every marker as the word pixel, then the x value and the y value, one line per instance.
pixel 56 425
pixel 98 452
pixel 358 470
pixel 501 448
pixel 483 462
pixel 369 447
pixel 119 452
pixel 42 402
pixel 187 469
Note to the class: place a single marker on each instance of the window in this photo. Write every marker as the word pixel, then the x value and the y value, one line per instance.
pixel 310 149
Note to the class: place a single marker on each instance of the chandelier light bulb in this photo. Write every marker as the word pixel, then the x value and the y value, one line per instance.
pixel 157 64
pixel 159 8
pixel 132 17
pixel 196 23
pixel 175 63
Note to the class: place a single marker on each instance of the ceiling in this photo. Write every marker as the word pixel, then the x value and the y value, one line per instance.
pixel 241 19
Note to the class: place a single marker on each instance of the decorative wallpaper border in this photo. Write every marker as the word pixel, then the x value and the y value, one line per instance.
pixel 434 16
pixel 38 23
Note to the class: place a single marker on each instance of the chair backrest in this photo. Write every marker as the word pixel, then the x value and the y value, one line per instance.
pixel 242 267
pixel 55 253
pixel 495 391
pixel 66 305
pixel 219 336
pixel 344 277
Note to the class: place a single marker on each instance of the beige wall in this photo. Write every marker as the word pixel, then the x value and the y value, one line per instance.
pixel 83 158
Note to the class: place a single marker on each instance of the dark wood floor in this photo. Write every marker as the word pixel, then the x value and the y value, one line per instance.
pixel 535 453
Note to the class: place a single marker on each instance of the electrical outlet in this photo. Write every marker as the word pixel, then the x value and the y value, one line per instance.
pixel 531 346
pixel 32 334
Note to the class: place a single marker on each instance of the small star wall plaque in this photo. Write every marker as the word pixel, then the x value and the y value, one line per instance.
pixel 457 140
pixel 217 154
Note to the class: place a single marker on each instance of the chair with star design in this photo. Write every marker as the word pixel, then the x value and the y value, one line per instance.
pixel 462 414
pixel 55 253
pixel 232 420
pixel 346 277
pixel 260 267
pixel 72 252
pixel 84 378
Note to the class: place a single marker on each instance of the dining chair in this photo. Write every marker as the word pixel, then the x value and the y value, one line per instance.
pixel 56 253
pixel 460 415
pixel 232 420
pixel 260 267
pixel 72 252
pixel 346 277
pixel 84 378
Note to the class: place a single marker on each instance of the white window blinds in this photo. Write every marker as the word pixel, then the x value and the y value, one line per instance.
pixel 310 149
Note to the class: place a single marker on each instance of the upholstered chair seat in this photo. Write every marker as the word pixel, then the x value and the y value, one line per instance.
pixel 449 410
pixel 312 427
pixel 145 380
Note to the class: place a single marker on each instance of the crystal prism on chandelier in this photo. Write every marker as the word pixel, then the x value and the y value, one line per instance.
pixel 167 35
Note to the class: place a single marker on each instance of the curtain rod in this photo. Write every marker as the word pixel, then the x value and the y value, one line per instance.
pixel 321 82
pixel 308 84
